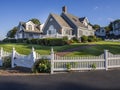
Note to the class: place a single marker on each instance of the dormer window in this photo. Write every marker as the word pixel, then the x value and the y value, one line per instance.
pixel 30 27
pixel 51 19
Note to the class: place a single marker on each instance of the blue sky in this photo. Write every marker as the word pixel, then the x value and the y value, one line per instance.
pixel 98 11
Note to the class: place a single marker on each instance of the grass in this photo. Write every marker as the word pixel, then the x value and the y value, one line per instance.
pixel 26 48
pixel 113 47
pixel 97 49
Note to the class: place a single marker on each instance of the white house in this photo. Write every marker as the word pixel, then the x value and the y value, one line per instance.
pixel 28 30
pixel 116 27
pixel 101 32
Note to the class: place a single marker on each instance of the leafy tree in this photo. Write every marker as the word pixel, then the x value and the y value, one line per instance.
pixel 109 27
pixel 12 32
pixel 35 21
pixel 117 20
pixel 96 26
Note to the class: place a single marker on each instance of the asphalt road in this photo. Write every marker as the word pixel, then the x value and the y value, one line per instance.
pixel 91 80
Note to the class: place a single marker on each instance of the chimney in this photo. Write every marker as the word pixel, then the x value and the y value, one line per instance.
pixel 64 9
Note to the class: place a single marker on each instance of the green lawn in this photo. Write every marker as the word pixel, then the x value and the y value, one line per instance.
pixel 98 49
pixel 113 47
pixel 26 48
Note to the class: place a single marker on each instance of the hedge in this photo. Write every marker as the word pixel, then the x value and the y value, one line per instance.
pixel 48 41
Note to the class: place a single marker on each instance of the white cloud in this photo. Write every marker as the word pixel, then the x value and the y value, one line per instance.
pixel 110 19
pixel 95 8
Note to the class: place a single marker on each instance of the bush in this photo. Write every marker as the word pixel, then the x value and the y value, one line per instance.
pixel 91 38
pixel 68 66
pixel 49 41
pixel 7 62
pixel 21 40
pixel 65 38
pixel 75 40
pixel 42 65
pixel 84 38
pixel 98 39
pixel 93 66
pixel 10 40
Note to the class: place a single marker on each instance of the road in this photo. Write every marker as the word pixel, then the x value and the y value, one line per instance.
pixel 91 80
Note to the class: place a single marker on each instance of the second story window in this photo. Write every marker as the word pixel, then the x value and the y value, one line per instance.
pixel 29 27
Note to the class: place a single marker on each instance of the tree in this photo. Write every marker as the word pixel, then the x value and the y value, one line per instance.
pixel 96 26
pixel 109 27
pixel 35 21
pixel 12 32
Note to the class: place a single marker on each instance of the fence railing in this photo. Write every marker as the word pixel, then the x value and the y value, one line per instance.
pixel 104 61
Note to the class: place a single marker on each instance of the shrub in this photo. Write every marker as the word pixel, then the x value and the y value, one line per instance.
pixel 84 38
pixel 7 62
pixel 21 40
pixel 65 38
pixel 91 38
pixel 68 66
pixel 52 41
pixel 42 65
pixel 93 66
pixel 10 40
pixel 75 40
pixel 98 39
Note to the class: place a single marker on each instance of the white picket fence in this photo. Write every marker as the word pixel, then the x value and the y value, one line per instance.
pixel 3 54
pixel 105 61
pixel 22 60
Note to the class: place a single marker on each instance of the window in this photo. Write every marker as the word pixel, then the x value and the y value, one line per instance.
pixel 29 27
pixel 80 33
pixel 67 32
pixel 102 30
pixel 51 30
pixel 51 19
pixel 30 35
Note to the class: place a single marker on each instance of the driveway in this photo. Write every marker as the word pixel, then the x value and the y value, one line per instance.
pixel 91 80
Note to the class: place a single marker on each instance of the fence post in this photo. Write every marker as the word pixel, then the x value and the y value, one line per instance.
pixel 52 60
pixel 13 57
pixel 1 55
pixel 33 54
pixel 106 59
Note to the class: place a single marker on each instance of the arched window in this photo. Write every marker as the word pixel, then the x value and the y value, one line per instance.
pixel 29 27
pixel 51 30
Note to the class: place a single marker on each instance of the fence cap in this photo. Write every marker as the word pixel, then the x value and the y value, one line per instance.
pixel 33 49
pixel 13 48
pixel 106 50
pixel 52 51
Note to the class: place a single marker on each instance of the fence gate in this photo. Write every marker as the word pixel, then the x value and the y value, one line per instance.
pixel 23 60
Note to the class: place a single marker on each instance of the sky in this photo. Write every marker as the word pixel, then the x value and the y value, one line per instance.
pixel 100 12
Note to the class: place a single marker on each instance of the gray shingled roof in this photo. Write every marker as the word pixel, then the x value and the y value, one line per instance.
pixel 60 20
pixel 75 20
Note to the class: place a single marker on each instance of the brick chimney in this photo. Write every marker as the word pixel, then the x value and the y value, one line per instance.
pixel 64 9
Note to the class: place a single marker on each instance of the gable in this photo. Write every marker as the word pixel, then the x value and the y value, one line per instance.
pixel 30 26
pixel 51 22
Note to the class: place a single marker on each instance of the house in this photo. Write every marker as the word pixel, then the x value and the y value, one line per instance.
pixel 67 25
pixel 28 30
pixel 101 32
pixel 116 27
